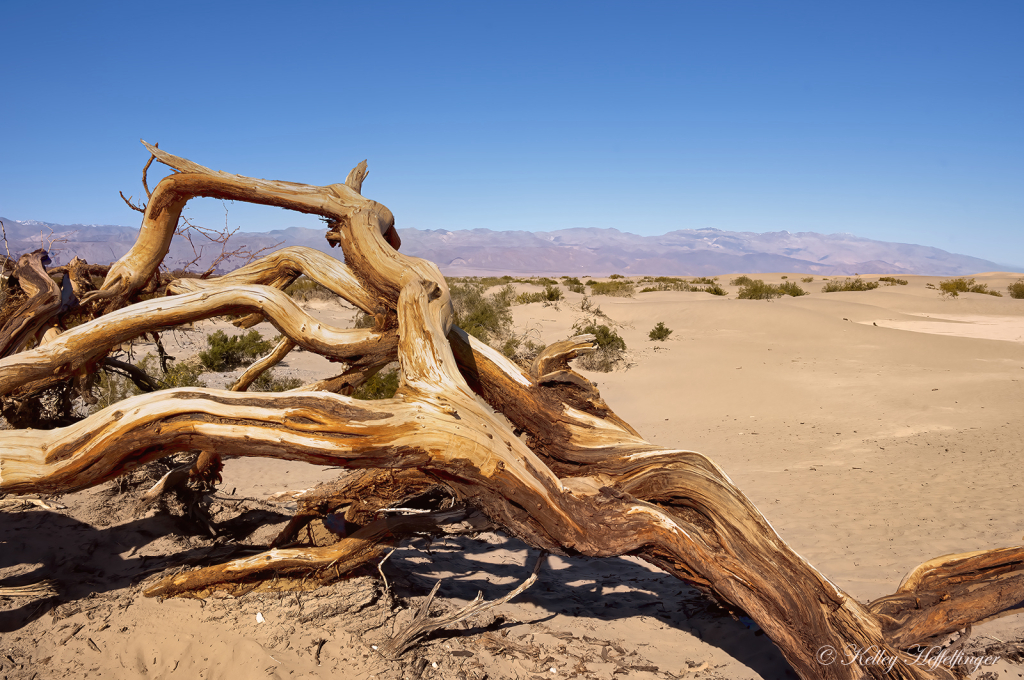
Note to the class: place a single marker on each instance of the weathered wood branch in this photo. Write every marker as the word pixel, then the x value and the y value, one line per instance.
pixel 307 568
pixel 45 301
pixel 587 483
pixel 947 594
pixel 423 623
pixel 83 345
pixel 263 364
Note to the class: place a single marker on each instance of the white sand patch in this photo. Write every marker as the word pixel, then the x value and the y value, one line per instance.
pixel 981 327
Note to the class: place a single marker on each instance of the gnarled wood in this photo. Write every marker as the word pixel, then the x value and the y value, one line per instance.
pixel 587 483
pixel 45 301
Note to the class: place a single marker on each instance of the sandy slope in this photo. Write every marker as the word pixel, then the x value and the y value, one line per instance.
pixel 874 429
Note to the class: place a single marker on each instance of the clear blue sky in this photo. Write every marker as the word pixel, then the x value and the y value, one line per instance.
pixel 900 121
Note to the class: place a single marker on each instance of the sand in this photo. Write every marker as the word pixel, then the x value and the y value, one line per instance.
pixel 874 429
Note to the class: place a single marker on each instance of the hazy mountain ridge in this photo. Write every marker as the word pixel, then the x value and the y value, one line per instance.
pixel 591 251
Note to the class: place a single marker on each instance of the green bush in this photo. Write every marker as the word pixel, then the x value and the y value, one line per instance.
pixel 807 279
pixel 225 353
pixel 1016 289
pixel 179 373
pixel 485 317
pixel 791 288
pixel 702 285
pixel 757 289
pixel 785 277
pixel 521 350
pixel 953 287
pixel 610 347
pixel 364 320
pixel 111 387
pixel 304 289
pixel 551 293
pixel 613 288
pixel 848 284
pixel 573 284
pixel 616 276
pixel 267 382
pixel 660 332
pixel 382 385
pixel 892 281
pixel 741 281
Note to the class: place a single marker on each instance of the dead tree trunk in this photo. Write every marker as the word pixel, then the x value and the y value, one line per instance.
pixel 586 483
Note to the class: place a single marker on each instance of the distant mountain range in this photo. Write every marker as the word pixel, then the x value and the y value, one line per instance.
pixel 595 252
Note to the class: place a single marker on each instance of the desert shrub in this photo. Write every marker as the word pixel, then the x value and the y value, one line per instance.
pixel 847 284
pixel 382 385
pixel 529 298
pixel 610 347
pixel 785 277
pixel 111 387
pixel 892 281
pixel 551 293
pixel 521 350
pixel 701 285
pixel 705 280
pixel 791 288
pixel 1016 289
pixel 807 279
pixel 304 289
pixel 756 289
pixel 364 320
pixel 483 316
pixel 716 289
pixel 660 332
pixel 741 281
pixel 268 382
pixel 226 353
pixel 616 276
pixel 573 284
pixel 953 287
pixel 613 288
pixel 178 374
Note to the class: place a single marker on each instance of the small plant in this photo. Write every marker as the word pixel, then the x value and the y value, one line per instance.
pixel 807 279
pixel 610 347
pixel 953 287
pixel 616 276
pixel 791 288
pixel 483 316
pixel 741 281
pixel 267 382
pixel 225 353
pixel 573 284
pixel 847 284
pixel 364 320
pixel 304 289
pixel 381 385
pixel 785 277
pixel 660 332
pixel 521 350
pixel 756 289
pixel 713 281
pixel 1016 289
pixel 613 288
pixel 892 281
pixel 550 294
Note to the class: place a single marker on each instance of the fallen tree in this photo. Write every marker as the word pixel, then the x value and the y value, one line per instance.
pixel 582 481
